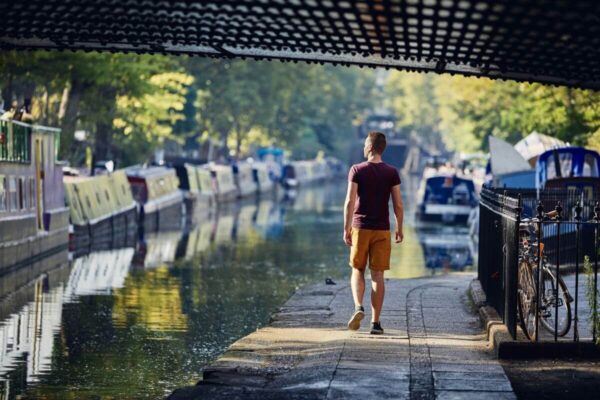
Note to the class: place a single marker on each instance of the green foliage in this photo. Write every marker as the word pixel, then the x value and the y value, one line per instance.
pixel 304 108
pixel 465 111
pixel 592 295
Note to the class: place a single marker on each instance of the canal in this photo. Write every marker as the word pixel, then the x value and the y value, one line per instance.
pixel 140 322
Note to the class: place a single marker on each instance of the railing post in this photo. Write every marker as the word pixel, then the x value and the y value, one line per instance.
pixel 595 314
pixel 558 210
pixel 513 274
pixel 540 217
pixel 578 209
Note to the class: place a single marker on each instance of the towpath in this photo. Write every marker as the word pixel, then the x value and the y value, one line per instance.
pixel 433 348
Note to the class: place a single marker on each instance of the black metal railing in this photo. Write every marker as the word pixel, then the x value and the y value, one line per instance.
pixel 499 218
pixel 564 235
pixel 15 141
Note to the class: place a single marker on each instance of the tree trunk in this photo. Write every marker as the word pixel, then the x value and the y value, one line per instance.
pixel 104 131
pixel 7 93
pixel 238 142
pixel 68 113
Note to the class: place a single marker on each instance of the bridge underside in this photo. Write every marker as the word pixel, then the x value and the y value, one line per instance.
pixel 550 41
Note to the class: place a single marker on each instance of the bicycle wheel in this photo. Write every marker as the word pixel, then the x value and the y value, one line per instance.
pixel 526 300
pixel 549 299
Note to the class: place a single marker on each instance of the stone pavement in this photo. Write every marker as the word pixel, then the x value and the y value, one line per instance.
pixel 433 348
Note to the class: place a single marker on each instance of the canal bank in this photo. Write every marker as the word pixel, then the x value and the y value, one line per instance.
pixel 433 347
pixel 139 322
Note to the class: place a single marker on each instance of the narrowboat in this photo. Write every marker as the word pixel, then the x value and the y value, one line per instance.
pixel 262 178
pixel 244 179
pixel 225 184
pixel 446 198
pixel 159 199
pixel 568 167
pixel 196 183
pixel 288 176
pixel 572 175
pixel 103 213
pixel 303 171
pixel 34 221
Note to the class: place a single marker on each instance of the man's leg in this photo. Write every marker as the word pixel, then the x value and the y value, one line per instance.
pixel 358 262
pixel 357 281
pixel 377 294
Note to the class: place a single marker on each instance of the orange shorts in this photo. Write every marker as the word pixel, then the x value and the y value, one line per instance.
pixel 374 245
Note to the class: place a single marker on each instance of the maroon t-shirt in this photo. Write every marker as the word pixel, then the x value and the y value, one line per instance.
pixel 375 182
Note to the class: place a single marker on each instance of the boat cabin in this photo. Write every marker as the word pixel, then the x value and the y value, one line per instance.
pixel 447 198
pixel 568 167
pixel 31 193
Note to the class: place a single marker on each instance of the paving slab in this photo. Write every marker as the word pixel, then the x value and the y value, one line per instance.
pixel 433 348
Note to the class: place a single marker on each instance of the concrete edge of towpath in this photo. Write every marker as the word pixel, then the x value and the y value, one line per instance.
pixel 507 348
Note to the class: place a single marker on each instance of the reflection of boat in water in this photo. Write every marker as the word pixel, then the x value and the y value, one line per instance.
pixel 31 313
pixel 269 219
pixel 446 249
pixel 446 198
pixel 99 272
pixel 157 249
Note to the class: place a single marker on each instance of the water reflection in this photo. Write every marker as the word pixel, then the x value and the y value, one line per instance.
pixel 139 322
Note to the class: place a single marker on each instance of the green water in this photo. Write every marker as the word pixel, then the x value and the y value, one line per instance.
pixel 127 324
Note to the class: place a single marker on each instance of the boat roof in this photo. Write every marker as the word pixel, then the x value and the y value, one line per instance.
pixel 142 171
pixel 449 175
pixel 575 163
pixel 536 143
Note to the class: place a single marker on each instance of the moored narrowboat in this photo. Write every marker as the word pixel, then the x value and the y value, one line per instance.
pixel 288 176
pixel 103 213
pixel 225 184
pixel 160 201
pixel 196 183
pixel 262 180
pixel 33 218
pixel 446 198
pixel 572 167
pixel 244 178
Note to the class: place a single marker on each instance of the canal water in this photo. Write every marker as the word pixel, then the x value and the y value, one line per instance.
pixel 140 322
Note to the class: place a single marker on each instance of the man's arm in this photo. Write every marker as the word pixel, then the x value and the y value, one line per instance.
pixel 398 212
pixel 349 210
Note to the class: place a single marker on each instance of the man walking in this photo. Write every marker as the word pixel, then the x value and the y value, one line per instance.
pixel 367 226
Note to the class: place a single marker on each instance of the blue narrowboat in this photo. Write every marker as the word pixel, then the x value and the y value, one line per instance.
pixel 446 198
pixel 34 221
pixel 568 167
pixel 575 171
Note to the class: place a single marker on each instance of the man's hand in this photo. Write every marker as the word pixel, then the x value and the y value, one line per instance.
pixel 399 236
pixel 348 236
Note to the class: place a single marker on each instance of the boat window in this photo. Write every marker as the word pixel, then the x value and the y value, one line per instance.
pixel 123 189
pixel 98 198
pixel 106 194
pixel 3 196
pixel 566 164
pixel 12 193
pixel 550 169
pixel 21 194
pixel 89 203
pixel 31 193
pixel 590 165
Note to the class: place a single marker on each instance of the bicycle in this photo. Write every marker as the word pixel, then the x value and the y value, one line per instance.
pixel 528 276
